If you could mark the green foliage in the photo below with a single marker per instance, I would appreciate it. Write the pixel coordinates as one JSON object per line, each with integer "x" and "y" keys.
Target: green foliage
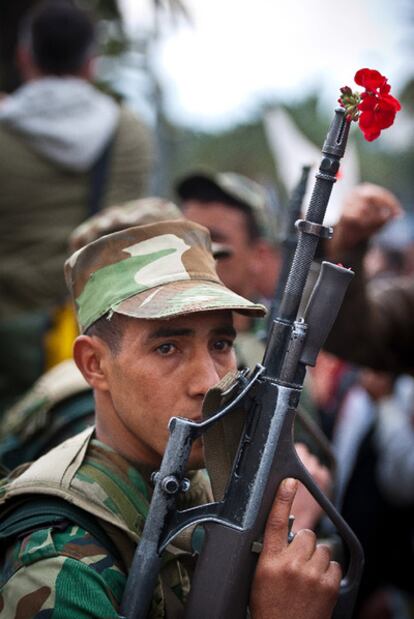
{"x": 241, "y": 149}
{"x": 392, "y": 170}
{"x": 407, "y": 96}
{"x": 104, "y": 9}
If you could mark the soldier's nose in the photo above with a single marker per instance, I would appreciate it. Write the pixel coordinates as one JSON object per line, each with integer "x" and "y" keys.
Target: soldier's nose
{"x": 204, "y": 375}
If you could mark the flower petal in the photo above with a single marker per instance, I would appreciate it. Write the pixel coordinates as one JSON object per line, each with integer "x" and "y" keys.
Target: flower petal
{"x": 371, "y": 79}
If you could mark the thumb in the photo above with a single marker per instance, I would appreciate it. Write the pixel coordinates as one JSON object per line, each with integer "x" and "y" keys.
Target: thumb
{"x": 277, "y": 525}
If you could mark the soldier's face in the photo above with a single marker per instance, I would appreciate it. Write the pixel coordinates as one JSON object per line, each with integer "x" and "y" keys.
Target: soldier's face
{"x": 228, "y": 226}
{"x": 163, "y": 369}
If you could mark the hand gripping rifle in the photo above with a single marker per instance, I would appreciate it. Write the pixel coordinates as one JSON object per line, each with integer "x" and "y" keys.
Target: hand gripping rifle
{"x": 234, "y": 524}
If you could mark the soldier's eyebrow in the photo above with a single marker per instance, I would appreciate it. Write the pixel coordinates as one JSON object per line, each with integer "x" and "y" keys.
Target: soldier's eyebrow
{"x": 228, "y": 330}
{"x": 166, "y": 331}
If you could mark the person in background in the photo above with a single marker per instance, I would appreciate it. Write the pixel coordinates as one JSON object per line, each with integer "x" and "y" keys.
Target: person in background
{"x": 237, "y": 212}
{"x": 66, "y": 151}
{"x": 374, "y": 430}
{"x": 372, "y": 440}
{"x": 374, "y": 325}
{"x": 395, "y": 439}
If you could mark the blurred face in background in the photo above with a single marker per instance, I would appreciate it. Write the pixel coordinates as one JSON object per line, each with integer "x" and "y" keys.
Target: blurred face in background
{"x": 378, "y": 384}
{"x": 228, "y": 226}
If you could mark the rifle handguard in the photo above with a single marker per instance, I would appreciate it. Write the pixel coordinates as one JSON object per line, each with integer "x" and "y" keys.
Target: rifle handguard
{"x": 323, "y": 307}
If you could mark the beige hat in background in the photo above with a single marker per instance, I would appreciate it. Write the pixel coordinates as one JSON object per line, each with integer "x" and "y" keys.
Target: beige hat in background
{"x": 134, "y": 213}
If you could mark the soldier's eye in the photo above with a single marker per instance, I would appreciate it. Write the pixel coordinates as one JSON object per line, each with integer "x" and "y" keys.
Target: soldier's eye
{"x": 166, "y": 349}
{"x": 223, "y": 345}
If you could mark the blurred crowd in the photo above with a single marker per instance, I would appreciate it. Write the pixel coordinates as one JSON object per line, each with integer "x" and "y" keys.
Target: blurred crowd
{"x": 76, "y": 165}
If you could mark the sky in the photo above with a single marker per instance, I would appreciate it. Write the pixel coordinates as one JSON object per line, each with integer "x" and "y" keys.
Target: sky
{"x": 238, "y": 54}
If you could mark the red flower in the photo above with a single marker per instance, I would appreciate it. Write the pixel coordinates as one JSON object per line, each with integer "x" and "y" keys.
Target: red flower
{"x": 375, "y": 108}
{"x": 370, "y": 79}
{"x": 377, "y": 113}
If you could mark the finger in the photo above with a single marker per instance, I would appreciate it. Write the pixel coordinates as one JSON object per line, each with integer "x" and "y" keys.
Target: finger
{"x": 333, "y": 574}
{"x": 303, "y": 544}
{"x": 331, "y": 582}
{"x": 276, "y": 531}
{"x": 321, "y": 558}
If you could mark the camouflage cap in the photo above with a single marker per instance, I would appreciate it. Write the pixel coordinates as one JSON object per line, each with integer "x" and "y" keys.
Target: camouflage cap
{"x": 115, "y": 218}
{"x": 133, "y": 213}
{"x": 238, "y": 188}
{"x": 159, "y": 270}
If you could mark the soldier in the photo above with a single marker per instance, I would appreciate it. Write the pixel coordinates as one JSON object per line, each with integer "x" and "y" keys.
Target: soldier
{"x": 157, "y": 333}
{"x": 236, "y": 211}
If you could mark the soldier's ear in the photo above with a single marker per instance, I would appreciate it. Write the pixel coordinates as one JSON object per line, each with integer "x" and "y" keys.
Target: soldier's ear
{"x": 90, "y": 354}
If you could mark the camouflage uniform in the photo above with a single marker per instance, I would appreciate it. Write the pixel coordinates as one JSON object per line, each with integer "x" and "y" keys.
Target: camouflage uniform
{"x": 64, "y": 566}
{"x": 59, "y": 405}
{"x": 153, "y": 271}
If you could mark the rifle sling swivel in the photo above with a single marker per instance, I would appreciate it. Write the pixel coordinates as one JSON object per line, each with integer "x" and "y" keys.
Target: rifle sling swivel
{"x": 309, "y": 227}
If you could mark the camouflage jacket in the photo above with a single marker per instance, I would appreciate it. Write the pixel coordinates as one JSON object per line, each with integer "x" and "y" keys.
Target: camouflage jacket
{"x": 59, "y": 405}
{"x": 62, "y": 570}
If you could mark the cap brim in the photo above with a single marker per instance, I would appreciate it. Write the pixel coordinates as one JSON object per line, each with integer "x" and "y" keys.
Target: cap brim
{"x": 186, "y": 297}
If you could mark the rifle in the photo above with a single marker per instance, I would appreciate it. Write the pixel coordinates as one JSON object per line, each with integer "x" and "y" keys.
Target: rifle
{"x": 288, "y": 239}
{"x": 287, "y": 243}
{"x": 234, "y": 523}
